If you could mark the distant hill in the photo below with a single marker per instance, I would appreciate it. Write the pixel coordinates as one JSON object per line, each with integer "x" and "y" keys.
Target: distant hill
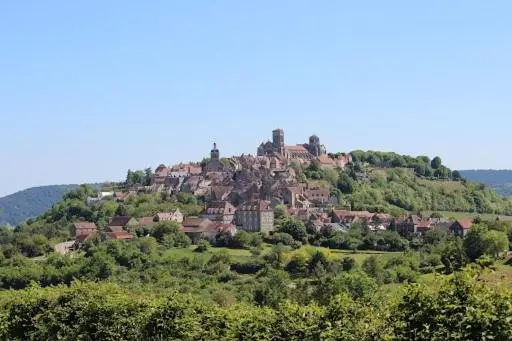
{"x": 30, "y": 203}
{"x": 499, "y": 180}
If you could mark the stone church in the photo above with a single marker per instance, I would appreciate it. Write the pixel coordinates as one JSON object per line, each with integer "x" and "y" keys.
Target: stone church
{"x": 307, "y": 151}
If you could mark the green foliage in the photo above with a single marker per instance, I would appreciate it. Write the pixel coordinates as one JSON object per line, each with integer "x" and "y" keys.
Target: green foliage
{"x": 462, "y": 309}
{"x": 294, "y": 228}
{"x": 480, "y": 241}
{"x": 169, "y": 234}
{"x": 396, "y": 190}
{"x": 202, "y": 246}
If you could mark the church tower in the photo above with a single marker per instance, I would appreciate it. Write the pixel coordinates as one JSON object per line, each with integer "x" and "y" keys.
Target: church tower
{"x": 214, "y": 154}
{"x": 278, "y": 141}
{"x": 314, "y": 146}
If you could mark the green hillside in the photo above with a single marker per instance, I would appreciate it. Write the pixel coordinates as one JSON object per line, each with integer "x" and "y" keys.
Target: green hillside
{"x": 30, "y": 203}
{"x": 399, "y": 188}
{"x": 388, "y": 182}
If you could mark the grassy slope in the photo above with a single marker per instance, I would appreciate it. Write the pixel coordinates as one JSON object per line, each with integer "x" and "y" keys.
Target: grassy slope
{"x": 394, "y": 189}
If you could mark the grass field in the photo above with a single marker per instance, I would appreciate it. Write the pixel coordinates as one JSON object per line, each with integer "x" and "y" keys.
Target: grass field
{"x": 458, "y": 215}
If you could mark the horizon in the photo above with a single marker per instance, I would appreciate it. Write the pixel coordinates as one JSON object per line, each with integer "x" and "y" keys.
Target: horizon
{"x": 90, "y": 90}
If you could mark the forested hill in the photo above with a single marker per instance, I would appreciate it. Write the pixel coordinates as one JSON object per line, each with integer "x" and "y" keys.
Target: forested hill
{"x": 389, "y": 182}
{"x": 499, "y": 180}
{"x": 30, "y": 203}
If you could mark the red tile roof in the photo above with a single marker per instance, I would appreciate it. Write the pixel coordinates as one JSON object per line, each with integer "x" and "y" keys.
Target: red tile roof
{"x": 326, "y": 160}
{"x": 296, "y": 148}
{"x": 121, "y": 235}
{"x": 146, "y": 221}
{"x": 83, "y": 237}
{"x": 196, "y": 224}
{"x": 119, "y": 221}
{"x": 115, "y": 228}
{"x": 122, "y": 196}
{"x": 465, "y": 223}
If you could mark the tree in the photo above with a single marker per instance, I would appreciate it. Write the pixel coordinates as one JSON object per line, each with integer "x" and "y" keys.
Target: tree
{"x": 148, "y": 175}
{"x": 280, "y": 211}
{"x": 456, "y": 175}
{"x": 273, "y": 289}
{"x": 436, "y": 162}
{"x": 435, "y": 236}
{"x": 169, "y": 234}
{"x": 294, "y": 228}
{"x": 475, "y": 242}
{"x": 348, "y": 263}
{"x": 453, "y": 255}
{"x": 496, "y": 242}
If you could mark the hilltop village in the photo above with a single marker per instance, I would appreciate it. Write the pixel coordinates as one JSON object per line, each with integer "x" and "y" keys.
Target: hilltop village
{"x": 242, "y": 192}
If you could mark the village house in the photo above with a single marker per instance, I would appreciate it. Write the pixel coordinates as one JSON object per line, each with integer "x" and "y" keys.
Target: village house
{"x": 118, "y": 235}
{"x": 316, "y": 195}
{"x": 146, "y": 221}
{"x": 173, "y": 215}
{"x": 220, "y": 212}
{"x": 349, "y": 217}
{"x": 118, "y": 223}
{"x": 295, "y": 198}
{"x": 413, "y": 224}
{"x": 255, "y": 216}
{"x": 199, "y": 228}
{"x": 123, "y": 196}
{"x": 187, "y": 169}
{"x": 83, "y": 230}
{"x": 101, "y": 196}
{"x": 461, "y": 227}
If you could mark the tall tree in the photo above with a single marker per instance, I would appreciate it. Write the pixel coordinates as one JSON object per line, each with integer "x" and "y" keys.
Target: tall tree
{"x": 436, "y": 162}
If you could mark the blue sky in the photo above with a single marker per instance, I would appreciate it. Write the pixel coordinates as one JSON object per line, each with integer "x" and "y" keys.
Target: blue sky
{"x": 91, "y": 88}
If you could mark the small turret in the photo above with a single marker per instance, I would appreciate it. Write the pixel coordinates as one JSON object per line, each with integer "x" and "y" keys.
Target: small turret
{"x": 214, "y": 154}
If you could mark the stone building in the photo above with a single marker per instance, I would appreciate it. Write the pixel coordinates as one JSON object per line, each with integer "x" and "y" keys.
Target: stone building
{"x": 305, "y": 152}
{"x": 214, "y": 164}
{"x": 314, "y": 146}
{"x": 220, "y": 212}
{"x": 255, "y": 216}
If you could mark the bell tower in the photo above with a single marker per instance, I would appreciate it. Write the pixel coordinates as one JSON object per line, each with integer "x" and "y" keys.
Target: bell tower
{"x": 214, "y": 154}
{"x": 278, "y": 141}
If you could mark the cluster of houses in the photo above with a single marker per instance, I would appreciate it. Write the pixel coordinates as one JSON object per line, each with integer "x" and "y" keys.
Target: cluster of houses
{"x": 240, "y": 193}
{"x": 258, "y": 216}
{"x": 219, "y": 216}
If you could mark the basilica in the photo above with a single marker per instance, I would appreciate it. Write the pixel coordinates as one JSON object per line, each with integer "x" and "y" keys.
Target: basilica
{"x": 307, "y": 151}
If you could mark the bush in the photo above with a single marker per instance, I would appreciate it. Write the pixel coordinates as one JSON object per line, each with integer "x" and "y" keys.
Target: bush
{"x": 281, "y": 238}
{"x": 202, "y": 246}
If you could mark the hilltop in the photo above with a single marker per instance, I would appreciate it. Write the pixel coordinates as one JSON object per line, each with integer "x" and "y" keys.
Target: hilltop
{"x": 242, "y": 244}
{"x": 30, "y": 203}
{"x": 499, "y": 180}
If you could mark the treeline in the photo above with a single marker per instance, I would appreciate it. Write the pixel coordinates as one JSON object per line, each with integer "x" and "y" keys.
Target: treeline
{"x": 422, "y": 165}
{"x": 462, "y": 309}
